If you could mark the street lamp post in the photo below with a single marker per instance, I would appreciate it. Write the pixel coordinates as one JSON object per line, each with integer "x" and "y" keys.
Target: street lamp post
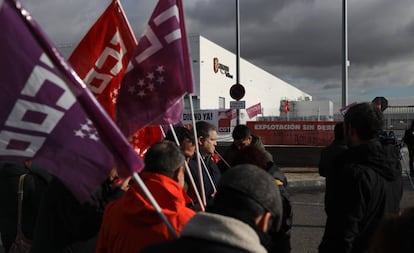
{"x": 237, "y": 55}
{"x": 345, "y": 62}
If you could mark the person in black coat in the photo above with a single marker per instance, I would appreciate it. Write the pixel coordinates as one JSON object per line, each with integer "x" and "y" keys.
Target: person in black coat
{"x": 66, "y": 225}
{"x": 328, "y": 166}
{"x": 368, "y": 186}
{"x": 408, "y": 139}
{"x": 34, "y": 186}
{"x": 207, "y": 141}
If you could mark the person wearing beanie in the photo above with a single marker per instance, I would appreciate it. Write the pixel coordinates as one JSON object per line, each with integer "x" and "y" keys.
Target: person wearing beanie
{"x": 246, "y": 205}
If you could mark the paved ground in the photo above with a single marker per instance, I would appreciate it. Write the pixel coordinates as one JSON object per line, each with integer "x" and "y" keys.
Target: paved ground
{"x": 303, "y": 177}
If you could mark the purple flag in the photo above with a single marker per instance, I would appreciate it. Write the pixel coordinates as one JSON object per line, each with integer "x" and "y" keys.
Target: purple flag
{"x": 48, "y": 115}
{"x": 159, "y": 73}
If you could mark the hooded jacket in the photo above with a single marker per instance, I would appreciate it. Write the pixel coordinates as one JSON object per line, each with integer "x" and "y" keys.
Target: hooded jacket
{"x": 230, "y": 154}
{"x": 131, "y": 222}
{"x": 367, "y": 187}
{"x": 208, "y": 232}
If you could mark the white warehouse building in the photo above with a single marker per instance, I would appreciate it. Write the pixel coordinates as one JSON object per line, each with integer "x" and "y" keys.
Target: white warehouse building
{"x": 214, "y": 72}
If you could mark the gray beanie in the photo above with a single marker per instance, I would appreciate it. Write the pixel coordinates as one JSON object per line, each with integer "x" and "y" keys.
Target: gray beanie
{"x": 256, "y": 184}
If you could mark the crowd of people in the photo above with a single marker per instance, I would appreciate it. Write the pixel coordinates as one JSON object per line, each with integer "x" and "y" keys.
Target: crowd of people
{"x": 239, "y": 204}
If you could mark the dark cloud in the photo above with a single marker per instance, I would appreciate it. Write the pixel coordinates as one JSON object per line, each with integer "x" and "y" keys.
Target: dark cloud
{"x": 299, "y": 41}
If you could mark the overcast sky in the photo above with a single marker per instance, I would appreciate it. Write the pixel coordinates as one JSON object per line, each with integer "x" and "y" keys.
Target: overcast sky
{"x": 298, "y": 41}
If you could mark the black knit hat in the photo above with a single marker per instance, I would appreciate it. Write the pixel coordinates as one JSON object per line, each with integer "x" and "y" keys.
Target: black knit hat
{"x": 256, "y": 184}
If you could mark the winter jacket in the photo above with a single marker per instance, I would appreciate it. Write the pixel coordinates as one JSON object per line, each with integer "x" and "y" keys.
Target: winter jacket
{"x": 231, "y": 152}
{"x": 131, "y": 222}
{"x": 280, "y": 242}
{"x": 328, "y": 167}
{"x": 409, "y": 138}
{"x": 367, "y": 186}
{"x": 34, "y": 186}
{"x": 207, "y": 233}
{"x": 328, "y": 155}
{"x": 214, "y": 172}
{"x": 63, "y": 221}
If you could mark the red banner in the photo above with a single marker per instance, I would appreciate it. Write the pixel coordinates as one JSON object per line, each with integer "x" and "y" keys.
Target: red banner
{"x": 254, "y": 110}
{"x": 303, "y": 133}
{"x": 224, "y": 126}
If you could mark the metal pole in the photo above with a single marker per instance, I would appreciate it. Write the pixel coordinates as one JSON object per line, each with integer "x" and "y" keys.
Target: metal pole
{"x": 345, "y": 62}
{"x": 237, "y": 55}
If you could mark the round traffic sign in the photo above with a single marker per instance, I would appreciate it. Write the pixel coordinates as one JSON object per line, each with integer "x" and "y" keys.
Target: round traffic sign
{"x": 237, "y": 91}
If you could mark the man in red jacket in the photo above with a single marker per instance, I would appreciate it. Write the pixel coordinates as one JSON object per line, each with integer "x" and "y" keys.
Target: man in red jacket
{"x": 132, "y": 223}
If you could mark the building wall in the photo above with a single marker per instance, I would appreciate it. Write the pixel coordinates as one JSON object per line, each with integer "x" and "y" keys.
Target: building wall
{"x": 260, "y": 85}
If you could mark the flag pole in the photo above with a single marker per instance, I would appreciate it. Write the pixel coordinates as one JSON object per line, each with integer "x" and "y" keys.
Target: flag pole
{"x": 187, "y": 169}
{"x": 208, "y": 175}
{"x": 237, "y": 55}
{"x": 200, "y": 174}
{"x": 126, "y": 20}
{"x": 154, "y": 203}
{"x": 345, "y": 62}
{"x": 222, "y": 158}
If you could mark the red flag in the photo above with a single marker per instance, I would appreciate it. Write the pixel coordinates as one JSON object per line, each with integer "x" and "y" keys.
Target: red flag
{"x": 159, "y": 73}
{"x": 101, "y": 57}
{"x": 254, "y": 110}
{"x": 144, "y": 138}
{"x": 100, "y": 60}
{"x": 48, "y": 115}
{"x": 287, "y": 108}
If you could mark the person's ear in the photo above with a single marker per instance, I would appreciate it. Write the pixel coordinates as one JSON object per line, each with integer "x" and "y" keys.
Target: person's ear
{"x": 263, "y": 222}
{"x": 200, "y": 140}
{"x": 179, "y": 175}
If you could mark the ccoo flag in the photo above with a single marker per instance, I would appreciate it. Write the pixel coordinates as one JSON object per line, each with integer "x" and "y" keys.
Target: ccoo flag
{"x": 159, "y": 73}
{"x": 48, "y": 115}
{"x": 101, "y": 57}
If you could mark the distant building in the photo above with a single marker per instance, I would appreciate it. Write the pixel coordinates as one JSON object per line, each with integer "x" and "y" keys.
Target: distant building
{"x": 304, "y": 110}
{"x": 398, "y": 118}
{"x": 214, "y": 71}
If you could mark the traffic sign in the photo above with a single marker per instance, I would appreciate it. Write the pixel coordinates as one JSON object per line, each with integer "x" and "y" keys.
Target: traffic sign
{"x": 238, "y": 104}
{"x": 237, "y": 91}
{"x": 381, "y": 103}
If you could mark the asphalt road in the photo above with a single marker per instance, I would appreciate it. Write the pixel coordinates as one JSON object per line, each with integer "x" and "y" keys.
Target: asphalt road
{"x": 309, "y": 217}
